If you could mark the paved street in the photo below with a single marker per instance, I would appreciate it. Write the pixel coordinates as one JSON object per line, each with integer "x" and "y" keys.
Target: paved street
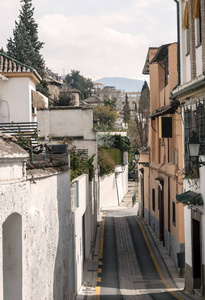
{"x": 127, "y": 261}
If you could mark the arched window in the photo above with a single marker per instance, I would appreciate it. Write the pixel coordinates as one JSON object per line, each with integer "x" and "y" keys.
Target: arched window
{"x": 12, "y": 257}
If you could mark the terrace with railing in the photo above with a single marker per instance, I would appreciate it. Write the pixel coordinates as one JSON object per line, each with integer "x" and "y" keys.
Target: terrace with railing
{"x": 26, "y": 133}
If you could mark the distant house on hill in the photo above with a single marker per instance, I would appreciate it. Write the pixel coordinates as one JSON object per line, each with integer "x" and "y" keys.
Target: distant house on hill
{"x": 92, "y": 101}
{"x": 53, "y": 86}
{"x": 98, "y": 86}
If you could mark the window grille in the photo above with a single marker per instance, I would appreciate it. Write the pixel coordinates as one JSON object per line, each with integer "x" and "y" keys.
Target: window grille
{"x": 187, "y": 133}
{"x": 200, "y": 122}
{"x": 194, "y": 121}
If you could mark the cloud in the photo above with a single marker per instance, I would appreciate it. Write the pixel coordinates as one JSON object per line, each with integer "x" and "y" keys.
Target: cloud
{"x": 99, "y": 38}
{"x": 90, "y": 44}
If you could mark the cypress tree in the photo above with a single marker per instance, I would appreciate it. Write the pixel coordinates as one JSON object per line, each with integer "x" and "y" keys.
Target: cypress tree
{"x": 25, "y": 46}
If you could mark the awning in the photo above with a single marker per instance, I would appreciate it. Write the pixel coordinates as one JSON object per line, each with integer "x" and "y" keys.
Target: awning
{"x": 190, "y": 198}
{"x": 165, "y": 110}
{"x": 39, "y": 100}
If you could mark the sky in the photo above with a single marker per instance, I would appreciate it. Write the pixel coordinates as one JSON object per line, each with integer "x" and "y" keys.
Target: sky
{"x": 99, "y": 38}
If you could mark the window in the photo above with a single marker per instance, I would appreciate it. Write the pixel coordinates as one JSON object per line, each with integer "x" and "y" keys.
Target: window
{"x": 174, "y": 213}
{"x": 166, "y": 70}
{"x": 153, "y": 199}
{"x": 197, "y": 17}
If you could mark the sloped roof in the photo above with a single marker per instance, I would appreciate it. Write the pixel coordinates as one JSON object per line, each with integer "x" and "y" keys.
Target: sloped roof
{"x": 145, "y": 70}
{"x": 93, "y": 100}
{"x": 9, "y": 148}
{"x": 67, "y": 88}
{"x": 162, "y": 52}
{"x": 165, "y": 110}
{"x": 11, "y": 65}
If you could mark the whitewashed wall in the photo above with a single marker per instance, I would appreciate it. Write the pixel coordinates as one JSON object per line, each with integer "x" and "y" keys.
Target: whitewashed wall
{"x": 194, "y": 185}
{"x": 202, "y": 191}
{"x": 73, "y": 122}
{"x": 17, "y": 102}
{"x": 82, "y": 232}
{"x": 42, "y": 202}
{"x": 113, "y": 188}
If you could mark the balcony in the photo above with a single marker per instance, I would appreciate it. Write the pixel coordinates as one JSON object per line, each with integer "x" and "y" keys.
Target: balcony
{"x": 26, "y": 133}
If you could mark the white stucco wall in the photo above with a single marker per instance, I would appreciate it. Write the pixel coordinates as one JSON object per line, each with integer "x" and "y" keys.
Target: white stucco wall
{"x": 187, "y": 229}
{"x": 202, "y": 191}
{"x": 17, "y": 101}
{"x": 43, "y": 202}
{"x": 113, "y": 188}
{"x": 195, "y": 185}
{"x": 82, "y": 228}
{"x": 69, "y": 122}
{"x": 199, "y": 68}
{"x": 73, "y": 121}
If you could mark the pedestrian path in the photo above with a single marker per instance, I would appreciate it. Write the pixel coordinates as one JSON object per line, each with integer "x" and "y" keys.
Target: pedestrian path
{"x": 128, "y": 264}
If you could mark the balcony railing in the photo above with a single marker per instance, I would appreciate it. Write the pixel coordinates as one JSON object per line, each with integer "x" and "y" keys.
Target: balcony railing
{"x": 25, "y": 132}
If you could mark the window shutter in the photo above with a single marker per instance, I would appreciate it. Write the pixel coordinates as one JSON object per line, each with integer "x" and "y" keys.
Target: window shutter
{"x": 186, "y": 16}
{"x": 196, "y": 9}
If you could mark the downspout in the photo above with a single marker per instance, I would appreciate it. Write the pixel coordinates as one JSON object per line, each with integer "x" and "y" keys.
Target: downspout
{"x": 178, "y": 44}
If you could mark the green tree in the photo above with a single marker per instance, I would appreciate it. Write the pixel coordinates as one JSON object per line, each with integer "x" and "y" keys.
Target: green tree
{"x": 139, "y": 126}
{"x": 111, "y": 103}
{"x": 25, "y": 45}
{"x": 105, "y": 115}
{"x": 81, "y": 83}
{"x": 106, "y": 163}
{"x": 126, "y": 110}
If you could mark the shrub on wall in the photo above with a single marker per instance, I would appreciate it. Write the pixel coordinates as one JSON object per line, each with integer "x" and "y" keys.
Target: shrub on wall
{"x": 116, "y": 155}
{"x": 80, "y": 165}
{"x": 106, "y": 163}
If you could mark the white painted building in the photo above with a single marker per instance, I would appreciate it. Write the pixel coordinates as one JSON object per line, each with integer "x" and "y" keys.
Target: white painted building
{"x": 114, "y": 187}
{"x": 18, "y": 97}
{"x": 36, "y": 259}
{"x": 73, "y": 123}
{"x": 191, "y": 94}
{"x": 82, "y": 210}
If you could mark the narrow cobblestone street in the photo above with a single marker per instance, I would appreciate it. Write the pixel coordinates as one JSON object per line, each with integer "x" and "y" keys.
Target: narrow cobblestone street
{"x": 129, "y": 262}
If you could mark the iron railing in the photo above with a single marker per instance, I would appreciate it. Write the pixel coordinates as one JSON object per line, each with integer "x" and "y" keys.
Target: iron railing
{"x": 25, "y": 132}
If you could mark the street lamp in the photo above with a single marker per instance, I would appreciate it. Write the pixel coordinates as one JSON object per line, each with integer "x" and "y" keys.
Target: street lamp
{"x": 193, "y": 145}
{"x": 137, "y": 155}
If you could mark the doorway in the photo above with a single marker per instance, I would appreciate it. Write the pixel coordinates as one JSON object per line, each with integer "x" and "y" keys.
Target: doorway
{"x": 142, "y": 192}
{"x": 161, "y": 212}
{"x": 12, "y": 257}
{"x": 196, "y": 247}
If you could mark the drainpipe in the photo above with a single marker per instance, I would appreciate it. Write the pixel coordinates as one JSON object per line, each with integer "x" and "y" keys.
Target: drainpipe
{"x": 178, "y": 44}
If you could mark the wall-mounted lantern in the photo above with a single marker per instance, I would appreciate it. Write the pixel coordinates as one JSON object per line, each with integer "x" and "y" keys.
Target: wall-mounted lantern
{"x": 137, "y": 155}
{"x": 193, "y": 145}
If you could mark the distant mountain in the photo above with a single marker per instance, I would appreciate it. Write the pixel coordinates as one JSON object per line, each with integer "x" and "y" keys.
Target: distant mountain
{"x": 123, "y": 84}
